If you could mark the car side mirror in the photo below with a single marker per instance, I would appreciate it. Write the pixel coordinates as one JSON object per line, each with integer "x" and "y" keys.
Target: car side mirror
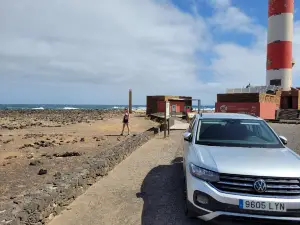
{"x": 283, "y": 140}
{"x": 187, "y": 136}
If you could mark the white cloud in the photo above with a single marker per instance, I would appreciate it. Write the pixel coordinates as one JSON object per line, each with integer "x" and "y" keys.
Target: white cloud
{"x": 91, "y": 52}
{"x": 236, "y": 65}
{"x": 129, "y": 43}
{"x": 227, "y": 17}
{"x": 232, "y": 18}
{"x": 220, "y": 3}
{"x": 296, "y": 50}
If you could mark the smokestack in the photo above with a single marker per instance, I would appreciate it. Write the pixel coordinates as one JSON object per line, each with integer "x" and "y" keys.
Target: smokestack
{"x": 279, "y": 50}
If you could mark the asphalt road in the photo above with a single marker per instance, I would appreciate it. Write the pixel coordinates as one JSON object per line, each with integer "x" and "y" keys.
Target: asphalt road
{"x": 145, "y": 189}
{"x": 291, "y": 132}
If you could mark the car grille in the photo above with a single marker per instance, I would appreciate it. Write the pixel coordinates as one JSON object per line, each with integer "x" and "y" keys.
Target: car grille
{"x": 245, "y": 184}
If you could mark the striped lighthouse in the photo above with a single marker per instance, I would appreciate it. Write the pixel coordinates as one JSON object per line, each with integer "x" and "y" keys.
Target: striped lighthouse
{"x": 279, "y": 50}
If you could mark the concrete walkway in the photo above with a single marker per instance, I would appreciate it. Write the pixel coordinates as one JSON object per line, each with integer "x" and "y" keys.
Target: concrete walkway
{"x": 179, "y": 125}
{"x": 146, "y": 188}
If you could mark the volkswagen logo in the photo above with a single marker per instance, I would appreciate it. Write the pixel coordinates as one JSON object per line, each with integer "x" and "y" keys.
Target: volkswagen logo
{"x": 260, "y": 186}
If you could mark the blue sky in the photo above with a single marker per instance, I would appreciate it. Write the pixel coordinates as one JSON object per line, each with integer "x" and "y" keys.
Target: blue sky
{"x": 88, "y": 52}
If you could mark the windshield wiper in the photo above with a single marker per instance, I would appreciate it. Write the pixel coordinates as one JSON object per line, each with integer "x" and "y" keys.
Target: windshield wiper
{"x": 211, "y": 143}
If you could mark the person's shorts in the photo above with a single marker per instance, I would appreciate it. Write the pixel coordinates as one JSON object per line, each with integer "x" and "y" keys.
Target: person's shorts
{"x": 125, "y": 121}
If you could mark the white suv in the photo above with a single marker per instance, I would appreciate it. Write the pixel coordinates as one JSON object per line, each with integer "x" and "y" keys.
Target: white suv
{"x": 236, "y": 166}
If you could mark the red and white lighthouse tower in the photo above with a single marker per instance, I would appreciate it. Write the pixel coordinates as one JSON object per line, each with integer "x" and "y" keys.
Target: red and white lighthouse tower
{"x": 279, "y": 50}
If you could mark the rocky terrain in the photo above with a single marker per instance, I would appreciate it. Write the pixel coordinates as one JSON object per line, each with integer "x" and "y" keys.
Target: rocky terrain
{"x": 37, "y": 148}
{"x": 21, "y": 119}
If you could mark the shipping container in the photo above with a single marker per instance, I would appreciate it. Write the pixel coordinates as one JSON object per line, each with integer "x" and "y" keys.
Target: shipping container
{"x": 265, "y": 110}
{"x": 250, "y": 97}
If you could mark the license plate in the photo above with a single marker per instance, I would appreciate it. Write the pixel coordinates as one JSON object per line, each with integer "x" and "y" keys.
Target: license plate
{"x": 263, "y": 206}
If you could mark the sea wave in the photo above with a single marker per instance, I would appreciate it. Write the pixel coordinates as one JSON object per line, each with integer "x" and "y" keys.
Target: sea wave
{"x": 69, "y": 108}
{"x": 118, "y": 107}
{"x": 139, "y": 108}
{"x": 209, "y": 109}
{"x": 73, "y": 107}
{"x": 204, "y": 109}
{"x": 133, "y": 108}
{"x": 39, "y": 108}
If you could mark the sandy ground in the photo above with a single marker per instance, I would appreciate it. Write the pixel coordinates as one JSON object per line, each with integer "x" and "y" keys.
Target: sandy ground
{"x": 24, "y": 152}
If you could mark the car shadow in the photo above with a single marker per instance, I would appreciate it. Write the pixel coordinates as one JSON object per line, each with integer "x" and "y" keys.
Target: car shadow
{"x": 162, "y": 192}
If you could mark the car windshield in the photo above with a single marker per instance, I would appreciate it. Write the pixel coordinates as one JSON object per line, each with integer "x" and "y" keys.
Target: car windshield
{"x": 236, "y": 133}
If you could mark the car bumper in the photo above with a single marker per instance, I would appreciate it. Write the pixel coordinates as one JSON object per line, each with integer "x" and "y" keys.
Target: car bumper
{"x": 219, "y": 204}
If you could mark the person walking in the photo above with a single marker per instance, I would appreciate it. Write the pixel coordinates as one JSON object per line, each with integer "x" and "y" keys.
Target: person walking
{"x": 125, "y": 121}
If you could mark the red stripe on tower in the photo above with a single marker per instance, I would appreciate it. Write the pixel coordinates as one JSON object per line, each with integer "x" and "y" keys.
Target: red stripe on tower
{"x": 280, "y": 53}
{"x": 279, "y": 50}
{"x": 280, "y": 6}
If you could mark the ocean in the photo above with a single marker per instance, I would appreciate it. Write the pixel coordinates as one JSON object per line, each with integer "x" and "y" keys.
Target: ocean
{"x": 69, "y": 107}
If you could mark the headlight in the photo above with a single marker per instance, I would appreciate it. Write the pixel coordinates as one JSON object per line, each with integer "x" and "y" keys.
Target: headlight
{"x": 204, "y": 174}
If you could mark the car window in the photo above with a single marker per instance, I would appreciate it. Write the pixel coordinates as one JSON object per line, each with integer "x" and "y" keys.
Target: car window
{"x": 249, "y": 127}
{"x": 262, "y": 133}
{"x": 236, "y": 132}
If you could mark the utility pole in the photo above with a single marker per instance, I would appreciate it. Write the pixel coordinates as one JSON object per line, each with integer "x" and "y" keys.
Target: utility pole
{"x": 167, "y": 116}
{"x": 168, "y": 126}
{"x": 130, "y": 101}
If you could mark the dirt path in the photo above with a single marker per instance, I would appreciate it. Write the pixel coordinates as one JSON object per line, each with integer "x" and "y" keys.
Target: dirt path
{"x": 144, "y": 189}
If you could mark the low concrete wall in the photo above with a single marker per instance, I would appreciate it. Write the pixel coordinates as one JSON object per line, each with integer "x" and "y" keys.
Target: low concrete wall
{"x": 39, "y": 207}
